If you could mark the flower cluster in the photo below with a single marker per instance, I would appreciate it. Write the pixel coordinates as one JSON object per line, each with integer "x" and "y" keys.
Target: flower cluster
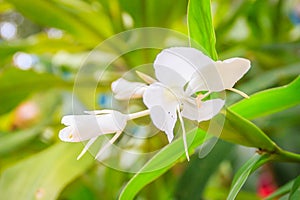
{"x": 185, "y": 77}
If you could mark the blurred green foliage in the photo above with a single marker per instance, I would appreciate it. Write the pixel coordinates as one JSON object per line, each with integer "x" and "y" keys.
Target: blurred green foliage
{"x": 42, "y": 45}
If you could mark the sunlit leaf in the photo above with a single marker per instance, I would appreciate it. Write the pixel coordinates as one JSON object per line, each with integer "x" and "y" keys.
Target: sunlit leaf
{"x": 269, "y": 101}
{"x": 151, "y": 12}
{"x": 45, "y": 174}
{"x": 200, "y": 26}
{"x": 85, "y": 12}
{"x": 236, "y": 129}
{"x": 50, "y": 14}
{"x": 160, "y": 163}
{"x": 266, "y": 80}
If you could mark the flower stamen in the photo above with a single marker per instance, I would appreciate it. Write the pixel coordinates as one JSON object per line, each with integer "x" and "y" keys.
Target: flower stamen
{"x": 200, "y": 97}
{"x": 138, "y": 114}
{"x": 183, "y": 134}
{"x": 145, "y": 77}
{"x": 87, "y": 146}
{"x": 110, "y": 142}
{"x": 239, "y": 92}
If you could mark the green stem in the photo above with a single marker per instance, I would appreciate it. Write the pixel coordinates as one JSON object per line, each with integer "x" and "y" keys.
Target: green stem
{"x": 286, "y": 156}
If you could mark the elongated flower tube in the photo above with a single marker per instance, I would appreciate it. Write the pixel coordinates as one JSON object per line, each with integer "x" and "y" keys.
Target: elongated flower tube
{"x": 84, "y": 127}
{"x": 90, "y": 126}
{"x": 94, "y": 124}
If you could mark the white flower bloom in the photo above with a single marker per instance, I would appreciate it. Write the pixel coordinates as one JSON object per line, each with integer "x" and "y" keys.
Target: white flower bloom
{"x": 201, "y": 72}
{"x": 181, "y": 72}
{"x": 89, "y": 127}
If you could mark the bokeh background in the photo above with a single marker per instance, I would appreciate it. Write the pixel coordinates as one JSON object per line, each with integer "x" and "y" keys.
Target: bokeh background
{"x": 44, "y": 43}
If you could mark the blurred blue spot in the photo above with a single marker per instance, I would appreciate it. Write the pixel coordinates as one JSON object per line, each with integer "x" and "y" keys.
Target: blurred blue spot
{"x": 66, "y": 75}
{"x": 295, "y": 17}
{"x": 135, "y": 130}
{"x": 104, "y": 100}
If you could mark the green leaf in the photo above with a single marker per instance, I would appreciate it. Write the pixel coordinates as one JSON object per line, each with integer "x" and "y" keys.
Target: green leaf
{"x": 295, "y": 196}
{"x": 151, "y": 12}
{"x": 17, "y": 84}
{"x": 39, "y": 43}
{"x": 243, "y": 173}
{"x": 295, "y": 191}
{"x": 11, "y": 141}
{"x": 50, "y": 14}
{"x": 84, "y": 11}
{"x": 266, "y": 80}
{"x": 201, "y": 30}
{"x": 236, "y": 129}
{"x": 45, "y": 174}
{"x": 239, "y": 130}
{"x": 269, "y": 101}
{"x": 160, "y": 163}
{"x": 199, "y": 171}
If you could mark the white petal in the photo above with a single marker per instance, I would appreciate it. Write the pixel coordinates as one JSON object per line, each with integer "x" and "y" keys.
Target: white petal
{"x": 124, "y": 89}
{"x": 67, "y": 134}
{"x": 111, "y": 123}
{"x": 98, "y": 112}
{"x": 219, "y": 76}
{"x": 164, "y": 120}
{"x": 207, "y": 110}
{"x": 232, "y": 70}
{"x": 206, "y": 79}
{"x": 184, "y": 61}
{"x": 84, "y": 127}
{"x": 67, "y": 120}
{"x": 158, "y": 94}
{"x": 169, "y": 77}
{"x": 162, "y": 104}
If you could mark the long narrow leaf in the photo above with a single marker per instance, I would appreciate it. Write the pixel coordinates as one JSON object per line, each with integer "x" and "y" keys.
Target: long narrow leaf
{"x": 269, "y": 101}
{"x": 160, "y": 163}
{"x": 199, "y": 171}
{"x": 239, "y": 130}
{"x": 43, "y": 175}
{"x": 280, "y": 191}
{"x": 200, "y": 26}
{"x": 243, "y": 173}
{"x": 295, "y": 191}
